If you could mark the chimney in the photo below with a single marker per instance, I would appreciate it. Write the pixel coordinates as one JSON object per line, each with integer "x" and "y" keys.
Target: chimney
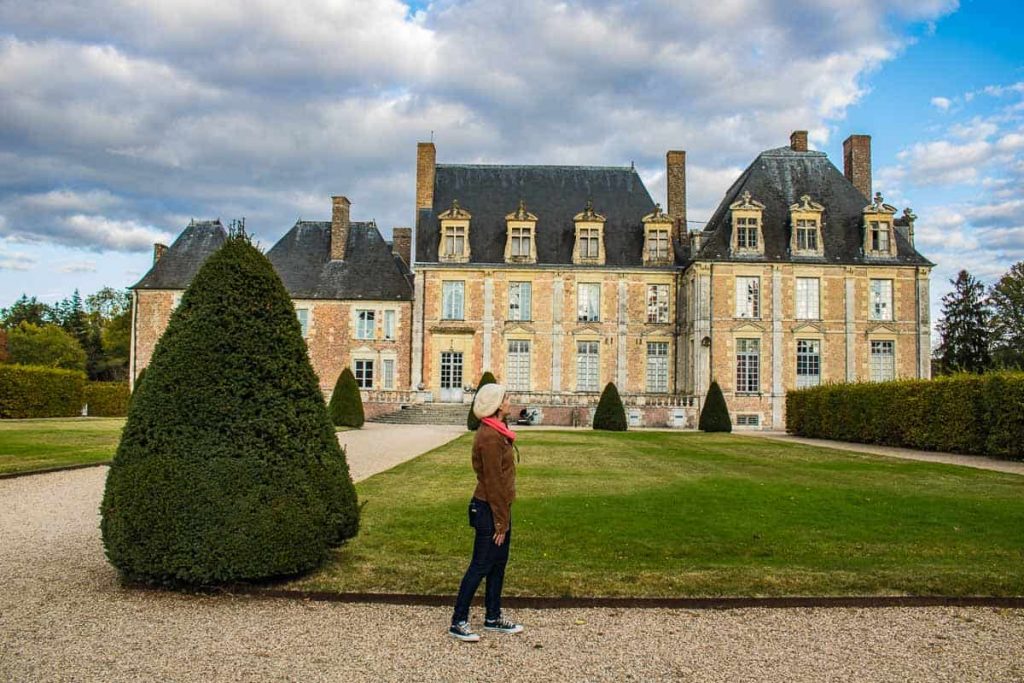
{"x": 158, "y": 251}
{"x": 695, "y": 241}
{"x": 857, "y": 163}
{"x": 798, "y": 141}
{"x": 401, "y": 243}
{"x": 339, "y": 226}
{"x": 426, "y": 159}
{"x": 675, "y": 174}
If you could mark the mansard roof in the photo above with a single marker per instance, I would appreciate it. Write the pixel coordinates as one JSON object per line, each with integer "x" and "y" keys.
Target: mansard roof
{"x": 779, "y": 178}
{"x": 554, "y": 194}
{"x": 185, "y": 256}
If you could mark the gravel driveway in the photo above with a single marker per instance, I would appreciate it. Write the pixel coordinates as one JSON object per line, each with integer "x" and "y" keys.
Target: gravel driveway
{"x": 64, "y": 617}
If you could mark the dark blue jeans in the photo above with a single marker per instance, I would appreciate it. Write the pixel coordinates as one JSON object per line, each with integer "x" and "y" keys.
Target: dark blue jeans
{"x": 488, "y": 562}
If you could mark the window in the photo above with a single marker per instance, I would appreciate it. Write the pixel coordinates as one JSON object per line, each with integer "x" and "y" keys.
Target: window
{"x": 590, "y": 242}
{"x": 303, "y": 315}
{"x": 657, "y": 367}
{"x": 389, "y": 324}
{"x": 364, "y": 374}
{"x": 519, "y": 300}
{"x": 586, "y": 365}
{"x": 880, "y": 236}
{"x": 748, "y": 420}
{"x": 807, "y": 298}
{"x": 806, "y": 234}
{"x": 748, "y": 366}
{"x": 452, "y": 298}
{"x": 883, "y": 361}
{"x": 588, "y": 302}
{"x": 657, "y": 245}
{"x": 389, "y": 373}
{"x": 881, "y": 300}
{"x": 808, "y": 363}
{"x": 365, "y": 324}
{"x": 454, "y": 240}
{"x": 748, "y": 297}
{"x": 522, "y": 242}
{"x": 517, "y": 372}
{"x": 657, "y": 304}
{"x": 746, "y": 235}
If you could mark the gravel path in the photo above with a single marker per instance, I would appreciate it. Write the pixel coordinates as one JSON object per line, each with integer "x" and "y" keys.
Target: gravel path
{"x": 63, "y": 617}
{"x": 379, "y": 447}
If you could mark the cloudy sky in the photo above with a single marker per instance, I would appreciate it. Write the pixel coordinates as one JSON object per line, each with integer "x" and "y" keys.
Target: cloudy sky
{"x": 122, "y": 119}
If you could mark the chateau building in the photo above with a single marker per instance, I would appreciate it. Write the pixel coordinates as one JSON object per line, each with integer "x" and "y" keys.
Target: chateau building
{"x": 560, "y": 279}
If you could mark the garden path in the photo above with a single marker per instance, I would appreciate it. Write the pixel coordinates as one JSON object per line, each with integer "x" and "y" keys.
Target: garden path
{"x": 378, "y": 447}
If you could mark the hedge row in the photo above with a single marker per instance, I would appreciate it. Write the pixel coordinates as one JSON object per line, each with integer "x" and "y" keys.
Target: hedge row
{"x": 106, "y": 399}
{"x": 973, "y": 414}
{"x": 31, "y": 391}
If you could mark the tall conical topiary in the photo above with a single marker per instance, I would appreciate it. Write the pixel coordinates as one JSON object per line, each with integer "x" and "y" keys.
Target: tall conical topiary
{"x": 714, "y": 416}
{"x": 346, "y": 406}
{"x": 472, "y": 422}
{"x": 228, "y": 467}
{"x": 610, "y": 414}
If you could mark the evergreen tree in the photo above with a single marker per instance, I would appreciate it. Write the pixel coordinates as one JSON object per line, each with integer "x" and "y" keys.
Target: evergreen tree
{"x": 1007, "y": 301}
{"x": 610, "y": 414}
{"x": 714, "y": 416}
{"x": 472, "y": 421}
{"x": 964, "y": 327}
{"x": 228, "y": 467}
{"x": 346, "y": 406}
{"x": 5, "y": 355}
{"x": 26, "y": 310}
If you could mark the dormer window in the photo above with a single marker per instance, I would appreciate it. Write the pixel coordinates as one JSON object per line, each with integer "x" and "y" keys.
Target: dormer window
{"x": 520, "y": 242}
{"x": 454, "y": 247}
{"x": 878, "y": 227}
{"x": 806, "y": 219}
{"x": 657, "y": 237}
{"x": 747, "y": 233}
{"x": 589, "y": 248}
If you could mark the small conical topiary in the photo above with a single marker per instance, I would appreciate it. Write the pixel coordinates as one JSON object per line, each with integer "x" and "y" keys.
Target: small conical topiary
{"x": 714, "y": 416}
{"x": 472, "y": 421}
{"x": 346, "y": 406}
{"x": 228, "y": 467}
{"x": 610, "y": 414}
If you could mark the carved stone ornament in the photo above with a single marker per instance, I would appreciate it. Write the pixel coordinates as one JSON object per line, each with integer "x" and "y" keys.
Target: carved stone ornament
{"x": 879, "y": 206}
{"x": 588, "y": 214}
{"x": 807, "y": 204}
{"x": 746, "y": 202}
{"x": 909, "y": 216}
{"x": 657, "y": 216}
{"x": 456, "y": 212}
{"x": 521, "y": 214}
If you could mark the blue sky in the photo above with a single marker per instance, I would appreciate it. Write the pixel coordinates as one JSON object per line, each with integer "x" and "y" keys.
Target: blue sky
{"x": 121, "y": 120}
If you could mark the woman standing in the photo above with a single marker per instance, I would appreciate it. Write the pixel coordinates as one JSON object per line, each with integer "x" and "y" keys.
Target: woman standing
{"x": 490, "y": 513}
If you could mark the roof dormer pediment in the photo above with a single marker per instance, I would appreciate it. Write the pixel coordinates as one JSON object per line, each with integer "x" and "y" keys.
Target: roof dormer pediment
{"x": 455, "y": 212}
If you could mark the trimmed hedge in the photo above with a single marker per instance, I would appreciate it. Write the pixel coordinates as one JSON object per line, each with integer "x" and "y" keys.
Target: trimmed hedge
{"x": 33, "y": 391}
{"x": 346, "y": 406}
{"x": 714, "y": 416}
{"x": 610, "y": 414}
{"x": 106, "y": 399}
{"x": 972, "y": 414}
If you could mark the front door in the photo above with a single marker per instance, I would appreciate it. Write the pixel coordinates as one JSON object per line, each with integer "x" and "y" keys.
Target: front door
{"x": 451, "y": 376}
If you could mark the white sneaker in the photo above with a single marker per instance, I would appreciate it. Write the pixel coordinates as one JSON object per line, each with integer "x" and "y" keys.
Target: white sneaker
{"x": 462, "y": 631}
{"x": 502, "y": 626}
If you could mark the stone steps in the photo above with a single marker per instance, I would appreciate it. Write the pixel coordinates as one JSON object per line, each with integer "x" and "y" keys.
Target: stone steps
{"x": 427, "y": 414}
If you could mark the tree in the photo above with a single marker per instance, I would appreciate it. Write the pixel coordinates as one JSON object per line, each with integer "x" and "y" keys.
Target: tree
{"x": 26, "y": 310}
{"x": 4, "y": 353}
{"x": 46, "y": 345}
{"x": 964, "y": 326}
{"x": 116, "y": 337}
{"x": 228, "y": 467}
{"x": 472, "y": 421}
{"x": 714, "y": 416}
{"x": 346, "y": 406}
{"x": 1007, "y": 301}
{"x": 610, "y": 414}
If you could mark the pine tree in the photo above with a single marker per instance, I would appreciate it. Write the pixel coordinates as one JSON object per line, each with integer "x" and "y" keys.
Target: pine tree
{"x": 472, "y": 421}
{"x": 1007, "y": 301}
{"x": 610, "y": 414}
{"x": 714, "y": 416}
{"x": 346, "y": 406}
{"x": 964, "y": 328}
{"x": 228, "y": 468}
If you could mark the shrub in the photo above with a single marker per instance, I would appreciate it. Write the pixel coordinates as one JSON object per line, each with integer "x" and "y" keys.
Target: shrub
{"x": 106, "y": 399}
{"x": 229, "y": 468}
{"x": 27, "y": 391}
{"x": 4, "y": 353}
{"x": 714, "y": 416}
{"x": 346, "y": 406}
{"x": 472, "y": 421}
{"x": 979, "y": 414}
{"x": 47, "y": 345}
{"x": 610, "y": 414}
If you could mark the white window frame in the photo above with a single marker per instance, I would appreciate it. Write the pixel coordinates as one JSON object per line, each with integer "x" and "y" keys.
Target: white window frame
{"x": 880, "y": 300}
{"x": 808, "y": 363}
{"x": 657, "y": 303}
{"x": 747, "y": 233}
{"x": 363, "y": 372}
{"x": 881, "y": 237}
{"x": 454, "y": 241}
{"x": 590, "y": 243}
{"x": 748, "y": 367}
{"x": 388, "y": 373}
{"x": 303, "y": 315}
{"x": 588, "y": 366}
{"x": 390, "y": 317}
{"x": 748, "y": 297}
{"x": 807, "y": 234}
{"x": 521, "y": 242}
{"x": 657, "y": 244}
{"x": 520, "y": 301}
{"x": 366, "y": 323}
{"x": 588, "y": 302}
{"x": 453, "y": 300}
{"x": 808, "y": 298}
{"x": 657, "y": 367}
{"x": 882, "y": 360}
{"x": 517, "y": 365}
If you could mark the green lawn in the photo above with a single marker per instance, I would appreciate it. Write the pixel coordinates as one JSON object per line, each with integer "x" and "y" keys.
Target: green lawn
{"x": 27, "y": 445}
{"x": 663, "y": 514}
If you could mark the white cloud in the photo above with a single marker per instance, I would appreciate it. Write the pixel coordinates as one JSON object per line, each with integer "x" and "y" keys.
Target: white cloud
{"x": 77, "y": 267}
{"x": 16, "y": 260}
{"x": 942, "y": 103}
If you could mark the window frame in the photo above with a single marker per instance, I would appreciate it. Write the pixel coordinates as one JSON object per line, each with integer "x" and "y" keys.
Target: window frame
{"x": 580, "y": 288}
{"x": 387, "y": 367}
{"x": 875, "y": 368}
{"x": 588, "y": 366}
{"x": 389, "y": 324}
{"x": 807, "y": 313}
{"x": 657, "y": 367}
{"x": 453, "y": 286}
{"x": 363, "y": 370}
{"x": 748, "y": 366}
{"x": 753, "y": 304}
{"x": 364, "y": 317}
{"x": 657, "y": 304}
{"x": 523, "y": 313}
{"x": 874, "y": 300}
{"x": 517, "y": 364}
{"x": 304, "y": 316}
{"x": 808, "y": 358}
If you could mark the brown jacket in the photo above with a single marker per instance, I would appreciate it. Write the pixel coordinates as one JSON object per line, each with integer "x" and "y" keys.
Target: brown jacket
{"x": 495, "y": 466}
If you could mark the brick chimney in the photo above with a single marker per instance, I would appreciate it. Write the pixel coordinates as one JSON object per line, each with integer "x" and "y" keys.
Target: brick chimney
{"x": 798, "y": 141}
{"x": 857, "y": 163}
{"x": 339, "y": 226}
{"x": 401, "y": 243}
{"x": 426, "y": 161}
{"x": 158, "y": 251}
{"x": 675, "y": 181}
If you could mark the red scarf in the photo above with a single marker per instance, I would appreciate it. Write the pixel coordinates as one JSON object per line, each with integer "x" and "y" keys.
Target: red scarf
{"x": 500, "y": 427}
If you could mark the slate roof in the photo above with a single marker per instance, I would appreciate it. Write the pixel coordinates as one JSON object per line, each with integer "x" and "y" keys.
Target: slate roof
{"x": 553, "y": 193}
{"x": 183, "y": 258}
{"x": 302, "y": 258}
{"x": 778, "y": 178}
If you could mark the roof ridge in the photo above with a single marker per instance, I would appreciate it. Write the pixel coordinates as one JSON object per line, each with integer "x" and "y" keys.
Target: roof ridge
{"x": 540, "y": 166}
